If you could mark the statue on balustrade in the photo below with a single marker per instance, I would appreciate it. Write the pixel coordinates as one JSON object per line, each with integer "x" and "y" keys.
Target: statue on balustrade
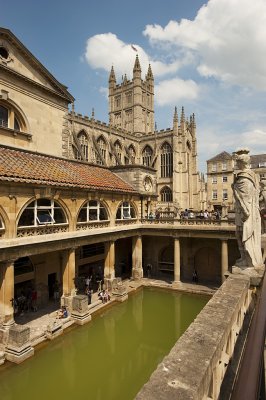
{"x": 246, "y": 191}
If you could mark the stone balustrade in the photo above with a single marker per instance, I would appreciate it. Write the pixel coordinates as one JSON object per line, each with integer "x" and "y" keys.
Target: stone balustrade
{"x": 41, "y": 230}
{"x": 189, "y": 222}
{"x": 195, "y": 367}
{"x": 82, "y": 226}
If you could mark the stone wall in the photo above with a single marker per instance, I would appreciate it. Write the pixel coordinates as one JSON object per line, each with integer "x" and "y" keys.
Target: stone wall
{"x": 195, "y": 367}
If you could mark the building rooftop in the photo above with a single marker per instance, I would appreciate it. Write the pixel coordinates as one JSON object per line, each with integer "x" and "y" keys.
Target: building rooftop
{"x": 221, "y": 157}
{"x": 35, "y": 168}
{"x": 258, "y": 160}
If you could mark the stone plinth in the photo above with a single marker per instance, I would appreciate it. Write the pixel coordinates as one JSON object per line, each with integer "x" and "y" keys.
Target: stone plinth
{"x": 54, "y": 329}
{"x": 254, "y": 274}
{"x": 19, "y": 347}
{"x": 66, "y": 301}
{"x": 119, "y": 291}
{"x": 80, "y": 312}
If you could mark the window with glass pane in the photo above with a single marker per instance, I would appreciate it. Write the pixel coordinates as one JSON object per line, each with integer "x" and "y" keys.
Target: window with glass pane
{"x": 42, "y": 212}
{"x": 3, "y": 116}
{"x": 125, "y": 211}
{"x": 83, "y": 140}
{"x": 147, "y": 156}
{"x": 93, "y": 210}
{"x": 166, "y": 194}
{"x": 102, "y": 147}
{"x": 166, "y": 161}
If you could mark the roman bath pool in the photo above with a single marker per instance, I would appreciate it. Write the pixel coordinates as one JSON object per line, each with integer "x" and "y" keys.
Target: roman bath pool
{"x": 109, "y": 358}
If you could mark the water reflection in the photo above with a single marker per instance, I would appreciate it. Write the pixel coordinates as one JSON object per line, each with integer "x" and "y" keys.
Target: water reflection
{"x": 111, "y": 357}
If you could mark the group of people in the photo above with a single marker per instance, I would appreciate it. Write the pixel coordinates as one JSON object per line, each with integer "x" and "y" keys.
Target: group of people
{"x": 186, "y": 214}
{"x": 62, "y": 313}
{"x": 104, "y": 296}
{"x": 25, "y": 301}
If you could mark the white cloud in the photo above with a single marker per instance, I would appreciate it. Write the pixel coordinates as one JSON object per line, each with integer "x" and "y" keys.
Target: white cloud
{"x": 105, "y": 50}
{"x": 227, "y": 38}
{"x": 173, "y": 90}
{"x": 104, "y": 91}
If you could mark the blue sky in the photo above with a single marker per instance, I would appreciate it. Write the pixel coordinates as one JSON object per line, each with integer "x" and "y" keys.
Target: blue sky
{"x": 206, "y": 56}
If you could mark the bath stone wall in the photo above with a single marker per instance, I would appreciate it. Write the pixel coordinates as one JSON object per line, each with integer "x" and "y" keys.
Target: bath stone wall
{"x": 187, "y": 371}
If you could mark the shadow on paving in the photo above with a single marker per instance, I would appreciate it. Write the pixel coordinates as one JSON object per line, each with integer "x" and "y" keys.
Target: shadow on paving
{"x": 29, "y": 316}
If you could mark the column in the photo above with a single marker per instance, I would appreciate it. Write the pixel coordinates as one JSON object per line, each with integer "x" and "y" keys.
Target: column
{"x": 137, "y": 270}
{"x": 109, "y": 262}
{"x": 176, "y": 260}
{"x": 69, "y": 272}
{"x": 7, "y": 292}
{"x": 224, "y": 258}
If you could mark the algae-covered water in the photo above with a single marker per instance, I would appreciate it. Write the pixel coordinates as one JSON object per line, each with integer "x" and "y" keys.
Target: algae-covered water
{"x": 111, "y": 357}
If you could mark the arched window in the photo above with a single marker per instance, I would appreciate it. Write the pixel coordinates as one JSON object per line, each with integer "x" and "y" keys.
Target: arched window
{"x": 147, "y": 156}
{"x": 3, "y": 116}
{"x": 118, "y": 150}
{"x": 102, "y": 146}
{"x": 125, "y": 211}
{"x": 132, "y": 154}
{"x": 42, "y": 212}
{"x": 166, "y": 194}
{"x": 9, "y": 118}
{"x": 83, "y": 140}
{"x": 93, "y": 210}
{"x": 166, "y": 161}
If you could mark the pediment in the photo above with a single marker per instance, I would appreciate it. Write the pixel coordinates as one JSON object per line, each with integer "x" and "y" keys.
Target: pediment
{"x": 15, "y": 57}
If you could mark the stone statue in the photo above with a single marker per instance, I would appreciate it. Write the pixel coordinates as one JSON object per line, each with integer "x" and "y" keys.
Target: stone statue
{"x": 263, "y": 205}
{"x": 248, "y": 222}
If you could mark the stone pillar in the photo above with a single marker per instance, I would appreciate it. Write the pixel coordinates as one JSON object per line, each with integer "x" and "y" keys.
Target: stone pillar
{"x": 69, "y": 272}
{"x": 109, "y": 262}
{"x": 7, "y": 292}
{"x": 176, "y": 260}
{"x": 224, "y": 258}
{"x": 137, "y": 270}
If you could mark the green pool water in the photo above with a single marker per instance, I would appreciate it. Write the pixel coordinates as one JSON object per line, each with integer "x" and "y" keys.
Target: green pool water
{"x": 111, "y": 357}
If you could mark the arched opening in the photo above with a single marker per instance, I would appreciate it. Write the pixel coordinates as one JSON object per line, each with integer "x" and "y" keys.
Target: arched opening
{"x": 83, "y": 140}
{"x": 126, "y": 211}
{"x": 42, "y": 212}
{"x": 166, "y": 260}
{"x": 92, "y": 210}
{"x": 166, "y": 160}
{"x": 147, "y": 156}
{"x": 166, "y": 194}
{"x": 11, "y": 118}
{"x": 132, "y": 154}
{"x": 102, "y": 147}
{"x": 118, "y": 150}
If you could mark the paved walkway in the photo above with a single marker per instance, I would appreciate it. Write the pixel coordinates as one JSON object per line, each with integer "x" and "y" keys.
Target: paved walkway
{"x": 39, "y": 320}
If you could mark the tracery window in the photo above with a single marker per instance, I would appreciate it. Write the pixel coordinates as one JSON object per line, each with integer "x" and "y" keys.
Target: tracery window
{"x": 93, "y": 210}
{"x": 125, "y": 211}
{"x": 118, "y": 150}
{"x": 147, "y": 156}
{"x": 83, "y": 140}
{"x": 102, "y": 146}
{"x": 166, "y": 194}
{"x": 42, "y": 212}
{"x": 166, "y": 161}
{"x": 132, "y": 154}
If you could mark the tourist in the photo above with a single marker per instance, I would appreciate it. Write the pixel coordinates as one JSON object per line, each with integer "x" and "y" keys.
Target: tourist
{"x": 62, "y": 313}
{"x": 89, "y": 294}
{"x": 149, "y": 268}
{"x": 206, "y": 214}
{"x": 185, "y": 214}
{"x": 195, "y": 276}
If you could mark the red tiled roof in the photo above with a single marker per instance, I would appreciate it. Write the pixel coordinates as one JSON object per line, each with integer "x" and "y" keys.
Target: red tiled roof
{"x": 22, "y": 166}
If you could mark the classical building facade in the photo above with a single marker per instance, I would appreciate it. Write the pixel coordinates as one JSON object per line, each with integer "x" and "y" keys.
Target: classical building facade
{"x": 220, "y": 176}
{"x": 76, "y": 193}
